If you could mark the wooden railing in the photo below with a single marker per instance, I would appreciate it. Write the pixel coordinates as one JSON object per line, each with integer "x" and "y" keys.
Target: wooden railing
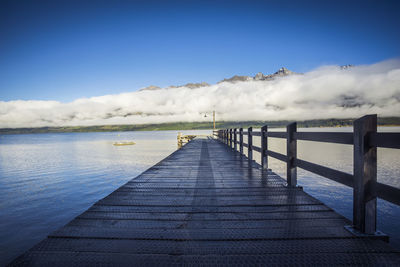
{"x": 365, "y": 139}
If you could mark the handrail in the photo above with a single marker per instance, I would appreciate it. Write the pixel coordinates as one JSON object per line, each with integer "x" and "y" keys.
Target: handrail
{"x": 276, "y": 155}
{"x": 388, "y": 193}
{"x": 388, "y": 140}
{"x": 256, "y": 148}
{"x": 365, "y": 140}
{"x": 277, "y": 134}
{"x": 335, "y": 175}
{"x": 327, "y": 137}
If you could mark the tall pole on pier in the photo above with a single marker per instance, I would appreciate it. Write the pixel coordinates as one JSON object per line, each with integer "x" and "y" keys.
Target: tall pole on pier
{"x": 214, "y": 118}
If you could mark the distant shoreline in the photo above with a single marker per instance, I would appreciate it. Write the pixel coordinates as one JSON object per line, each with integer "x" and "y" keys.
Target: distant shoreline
{"x": 385, "y": 121}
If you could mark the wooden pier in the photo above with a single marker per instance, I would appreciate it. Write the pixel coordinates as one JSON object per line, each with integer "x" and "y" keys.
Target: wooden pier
{"x": 208, "y": 204}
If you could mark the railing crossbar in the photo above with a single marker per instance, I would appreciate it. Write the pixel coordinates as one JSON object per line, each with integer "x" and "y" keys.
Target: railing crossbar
{"x": 276, "y": 155}
{"x": 256, "y": 148}
{"x": 326, "y": 137}
{"x": 387, "y": 140}
{"x": 277, "y": 134}
{"x": 388, "y": 193}
{"x": 332, "y": 174}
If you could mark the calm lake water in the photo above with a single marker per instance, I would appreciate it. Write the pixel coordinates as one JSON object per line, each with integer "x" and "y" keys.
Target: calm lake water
{"x": 48, "y": 179}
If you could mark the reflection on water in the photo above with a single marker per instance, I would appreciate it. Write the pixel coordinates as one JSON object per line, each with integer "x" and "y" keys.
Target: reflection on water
{"x": 48, "y": 179}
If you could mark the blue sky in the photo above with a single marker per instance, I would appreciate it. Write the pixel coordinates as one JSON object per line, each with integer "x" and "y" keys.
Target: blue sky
{"x": 64, "y": 50}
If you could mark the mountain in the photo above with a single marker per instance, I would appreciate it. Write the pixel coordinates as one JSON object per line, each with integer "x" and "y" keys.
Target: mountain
{"x": 237, "y": 78}
{"x": 150, "y": 88}
{"x": 191, "y": 85}
{"x": 282, "y": 72}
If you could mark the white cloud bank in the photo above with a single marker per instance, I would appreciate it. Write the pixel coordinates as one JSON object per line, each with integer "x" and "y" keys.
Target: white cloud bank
{"x": 327, "y": 92}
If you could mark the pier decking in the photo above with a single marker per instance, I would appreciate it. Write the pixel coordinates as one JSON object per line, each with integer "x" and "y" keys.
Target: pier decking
{"x": 204, "y": 205}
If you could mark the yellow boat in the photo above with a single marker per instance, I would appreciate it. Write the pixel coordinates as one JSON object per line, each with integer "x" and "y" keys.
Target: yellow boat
{"x": 124, "y": 143}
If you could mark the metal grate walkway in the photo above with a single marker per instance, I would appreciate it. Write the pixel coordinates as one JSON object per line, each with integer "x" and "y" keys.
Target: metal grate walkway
{"x": 203, "y": 205}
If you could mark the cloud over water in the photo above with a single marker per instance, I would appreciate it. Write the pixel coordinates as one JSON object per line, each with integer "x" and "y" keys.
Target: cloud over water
{"x": 326, "y": 92}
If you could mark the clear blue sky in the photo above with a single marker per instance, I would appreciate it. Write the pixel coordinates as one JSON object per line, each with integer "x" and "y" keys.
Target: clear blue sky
{"x": 63, "y": 50}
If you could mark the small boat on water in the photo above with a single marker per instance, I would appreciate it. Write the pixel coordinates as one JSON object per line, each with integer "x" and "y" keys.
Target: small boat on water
{"x": 124, "y": 143}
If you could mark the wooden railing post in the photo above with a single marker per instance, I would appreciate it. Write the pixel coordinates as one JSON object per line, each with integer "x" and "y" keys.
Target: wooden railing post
{"x": 365, "y": 169}
{"x": 250, "y": 143}
{"x": 291, "y": 153}
{"x": 230, "y": 138}
{"x": 264, "y": 147}
{"x": 241, "y": 140}
{"x": 227, "y": 137}
{"x": 235, "y": 138}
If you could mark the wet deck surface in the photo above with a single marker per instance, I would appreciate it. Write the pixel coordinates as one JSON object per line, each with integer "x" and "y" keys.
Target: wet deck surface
{"x": 203, "y": 205}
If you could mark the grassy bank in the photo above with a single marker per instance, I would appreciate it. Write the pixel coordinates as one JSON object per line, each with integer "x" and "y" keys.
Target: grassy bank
{"x": 388, "y": 121}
